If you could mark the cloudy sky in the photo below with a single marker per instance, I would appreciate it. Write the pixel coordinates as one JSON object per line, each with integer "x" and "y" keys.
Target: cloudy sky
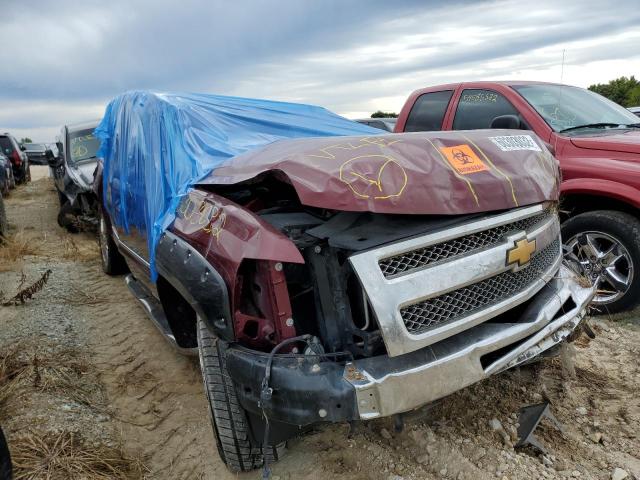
{"x": 63, "y": 60}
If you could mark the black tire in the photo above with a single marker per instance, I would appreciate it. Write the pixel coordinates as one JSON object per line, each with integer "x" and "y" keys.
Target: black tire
{"x": 67, "y": 218}
{"x": 4, "y": 227}
{"x": 623, "y": 228}
{"x": 230, "y": 424}
{"x": 5, "y": 459}
{"x": 113, "y": 263}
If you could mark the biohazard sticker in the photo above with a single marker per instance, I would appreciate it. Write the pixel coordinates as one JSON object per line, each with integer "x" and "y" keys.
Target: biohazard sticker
{"x": 463, "y": 159}
{"x": 515, "y": 142}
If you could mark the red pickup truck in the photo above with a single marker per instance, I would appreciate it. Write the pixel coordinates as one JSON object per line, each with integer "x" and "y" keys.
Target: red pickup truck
{"x": 598, "y": 145}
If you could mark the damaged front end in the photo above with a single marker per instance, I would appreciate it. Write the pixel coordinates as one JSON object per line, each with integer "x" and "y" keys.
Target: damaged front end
{"x": 400, "y": 325}
{"x": 395, "y": 311}
{"x": 78, "y": 201}
{"x": 73, "y": 172}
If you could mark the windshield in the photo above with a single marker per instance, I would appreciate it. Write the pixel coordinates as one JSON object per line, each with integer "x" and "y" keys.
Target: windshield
{"x": 565, "y": 107}
{"x": 83, "y": 145}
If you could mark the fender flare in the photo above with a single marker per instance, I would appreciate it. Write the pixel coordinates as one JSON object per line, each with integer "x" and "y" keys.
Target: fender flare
{"x": 602, "y": 188}
{"x": 197, "y": 281}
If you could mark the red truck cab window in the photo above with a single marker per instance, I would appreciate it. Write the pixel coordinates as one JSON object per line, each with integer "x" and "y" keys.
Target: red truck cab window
{"x": 478, "y": 107}
{"x": 428, "y": 112}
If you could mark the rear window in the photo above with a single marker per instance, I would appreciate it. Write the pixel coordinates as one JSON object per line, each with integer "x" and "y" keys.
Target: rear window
{"x": 428, "y": 112}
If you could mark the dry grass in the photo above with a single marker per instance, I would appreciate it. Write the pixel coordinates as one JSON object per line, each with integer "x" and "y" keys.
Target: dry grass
{"x": 85, "y": 249}
{"x": 18, "y": 245}
{"x": 34, "y": 366}
{"x": 26, "y": 293}
{"x": 57, "y": 370}
{"x": 67, "y": 455}
{"x": 77, "y": 296}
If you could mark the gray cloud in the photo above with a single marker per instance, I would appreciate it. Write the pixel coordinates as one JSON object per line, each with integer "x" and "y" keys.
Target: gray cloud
{"x": 66, "y": 60}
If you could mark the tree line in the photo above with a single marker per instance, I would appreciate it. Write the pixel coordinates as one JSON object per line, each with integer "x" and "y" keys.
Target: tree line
{"x": 624, "y": 91}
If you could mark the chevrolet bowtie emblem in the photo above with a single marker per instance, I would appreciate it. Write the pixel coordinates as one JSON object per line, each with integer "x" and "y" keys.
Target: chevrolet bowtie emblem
{"x": 521, "y": 252}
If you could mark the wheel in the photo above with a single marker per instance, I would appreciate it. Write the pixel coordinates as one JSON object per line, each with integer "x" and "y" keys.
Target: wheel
{"x": 67, "y": 218}
{"x": 3, "y": 219}
{"x": 607, "y": 245}
{"x": 5, "y": 459}
{"x": 113, "y": 263}
{"x": 230, "y": 426}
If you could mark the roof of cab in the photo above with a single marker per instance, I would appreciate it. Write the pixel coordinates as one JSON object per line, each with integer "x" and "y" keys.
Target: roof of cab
{"x": 82, "y": 126}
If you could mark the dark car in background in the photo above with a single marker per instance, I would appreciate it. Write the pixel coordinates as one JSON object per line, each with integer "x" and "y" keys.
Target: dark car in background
{"x": 7, "y": 181}
{"x": 19, "y": 160}
{"x": 386, "y": 124}
{"x": 37, "y": 153}
{"x": 73, "y": 171}
{"x": 635, "y": 110}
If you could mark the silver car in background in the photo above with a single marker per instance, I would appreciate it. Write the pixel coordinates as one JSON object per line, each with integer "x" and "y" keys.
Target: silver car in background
{"x": 73, "y": 170}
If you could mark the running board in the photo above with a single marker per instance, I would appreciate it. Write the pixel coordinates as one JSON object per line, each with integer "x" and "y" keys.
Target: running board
{"x": 154, "y": 311}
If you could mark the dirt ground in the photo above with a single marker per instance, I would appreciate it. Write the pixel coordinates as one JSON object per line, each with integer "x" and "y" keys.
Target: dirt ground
{"x": 90, "y": 389}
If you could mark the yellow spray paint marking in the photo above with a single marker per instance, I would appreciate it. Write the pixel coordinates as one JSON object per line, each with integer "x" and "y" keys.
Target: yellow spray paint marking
{"x": 374, "y": 176}
{"x": 463, "y": 159}
{"x": 79, "y": 151}
{"x": 216, "y": 225}
{"x": 513, "y": 192}
{"x": 208, "y": 217}
{"x": 364, "y": 142}
{"x": 446, "y": 162}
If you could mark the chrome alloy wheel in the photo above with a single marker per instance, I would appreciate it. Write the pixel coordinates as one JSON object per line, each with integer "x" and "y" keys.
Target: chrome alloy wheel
{"x": 604, "y": 261}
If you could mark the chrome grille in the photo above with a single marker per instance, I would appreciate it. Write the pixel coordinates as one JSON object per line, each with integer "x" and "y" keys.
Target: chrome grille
{"x": 437, "y": 311}
{"x": 459, "y": 246}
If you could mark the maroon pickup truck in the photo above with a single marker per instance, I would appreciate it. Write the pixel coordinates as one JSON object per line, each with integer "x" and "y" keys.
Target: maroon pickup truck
{"x": 598, "y": 145}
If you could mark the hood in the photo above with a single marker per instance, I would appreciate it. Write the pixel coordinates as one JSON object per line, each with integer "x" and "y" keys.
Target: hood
{"x": 445, "y": 173}
{"x": 82, "y": 173}
{"x": 627, "y": 141}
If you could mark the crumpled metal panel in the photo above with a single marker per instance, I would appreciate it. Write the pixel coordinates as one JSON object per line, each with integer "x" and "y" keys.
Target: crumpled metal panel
{"x": 441, "y": 173}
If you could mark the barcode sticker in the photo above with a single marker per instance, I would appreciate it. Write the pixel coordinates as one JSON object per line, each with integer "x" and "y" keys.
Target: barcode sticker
{"x": 516, "y": 142}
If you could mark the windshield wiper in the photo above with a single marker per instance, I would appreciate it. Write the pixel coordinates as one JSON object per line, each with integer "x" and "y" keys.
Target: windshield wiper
{"x": 591, "y": 125}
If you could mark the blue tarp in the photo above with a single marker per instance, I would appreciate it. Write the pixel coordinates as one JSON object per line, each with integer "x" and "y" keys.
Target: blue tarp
{"x": 155, "y": 146}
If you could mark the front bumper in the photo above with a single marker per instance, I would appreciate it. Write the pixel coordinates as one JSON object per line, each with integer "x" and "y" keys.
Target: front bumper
{"x": 307, "y": 391}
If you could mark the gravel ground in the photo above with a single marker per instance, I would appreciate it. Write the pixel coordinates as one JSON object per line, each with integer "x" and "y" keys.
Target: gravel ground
{"x": 128, "y": 390}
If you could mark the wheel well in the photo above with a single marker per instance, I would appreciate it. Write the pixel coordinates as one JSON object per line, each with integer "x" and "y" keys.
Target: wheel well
{"x": 180, "y": 314}
{"x": 575, "y": 204}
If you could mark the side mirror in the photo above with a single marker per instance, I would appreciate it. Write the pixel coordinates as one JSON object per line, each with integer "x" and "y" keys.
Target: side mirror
{"x": 507, "y": 122}
{"x": 23, "y": 148}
